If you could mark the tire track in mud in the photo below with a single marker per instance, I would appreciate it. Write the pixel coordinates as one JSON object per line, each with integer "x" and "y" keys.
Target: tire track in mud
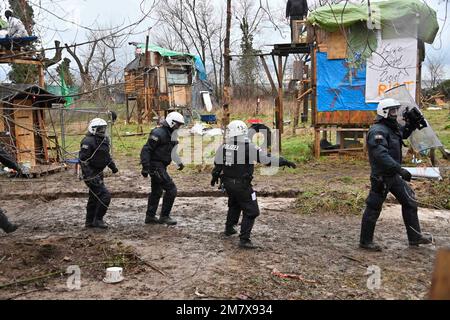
{"x": 290, "y": 194}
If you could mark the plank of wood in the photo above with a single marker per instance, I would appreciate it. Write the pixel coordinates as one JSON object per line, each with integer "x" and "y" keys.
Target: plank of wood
{"x": 43, "y": 130}
{"x": 24, "y": 134}
{"x": 2, "y": 119}
{"x": 352, "y": 118}
{"x": 440, "y": 287}
{"x": 337, "y": 45}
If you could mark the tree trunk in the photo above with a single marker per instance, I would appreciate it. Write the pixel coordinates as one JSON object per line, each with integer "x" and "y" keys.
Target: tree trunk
{"x": 227, "y": 67}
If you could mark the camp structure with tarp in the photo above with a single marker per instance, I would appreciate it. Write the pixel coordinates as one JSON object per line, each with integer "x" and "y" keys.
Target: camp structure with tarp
{"x": 23, "y": 131}
{"x": 159, "y": 80}
{"x": 361, "y": 51}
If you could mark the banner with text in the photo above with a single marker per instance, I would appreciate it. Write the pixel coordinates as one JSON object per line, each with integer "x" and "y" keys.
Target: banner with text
{"x": 393, "y": 63}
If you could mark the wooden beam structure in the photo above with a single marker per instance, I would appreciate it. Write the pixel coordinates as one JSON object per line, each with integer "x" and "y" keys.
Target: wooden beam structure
{"x": 440, "y": 287}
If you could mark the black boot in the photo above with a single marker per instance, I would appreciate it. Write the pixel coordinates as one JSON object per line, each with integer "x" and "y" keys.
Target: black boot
{"x": 246, "y": 244}
{"x": 99, "y": 223}
{"x": 370, "y": 246}
{"x": 167, "y": 220}
{"x": 229, "y": 231}
{"x": 424, "y": 239}
{"x": 89, "y": 224}
{"x": 151, "y": 220}
{"x": 7, "y": 226}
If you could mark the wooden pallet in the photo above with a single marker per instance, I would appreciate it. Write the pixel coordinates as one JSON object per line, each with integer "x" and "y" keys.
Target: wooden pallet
{"x": 44, "y": 170}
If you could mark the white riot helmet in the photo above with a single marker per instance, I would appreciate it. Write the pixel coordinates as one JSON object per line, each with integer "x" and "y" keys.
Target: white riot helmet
{"x": 174, "y": 118}
{"x": 97, "y": 127}
{"x": 386, "y": 104}
{"x": 236, "y": 128}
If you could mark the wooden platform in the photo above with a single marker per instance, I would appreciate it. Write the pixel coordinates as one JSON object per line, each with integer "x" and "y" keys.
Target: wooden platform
{"x": 20, "y": 57}
{"x": 44, "y": 170}
{"x": 285, "y": 49}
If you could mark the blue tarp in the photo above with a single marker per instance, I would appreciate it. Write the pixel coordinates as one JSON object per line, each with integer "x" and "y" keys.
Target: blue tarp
{"x": 340, "y": 88}
{"x": 200, "y": 68}
{"x": 18, "y": 41}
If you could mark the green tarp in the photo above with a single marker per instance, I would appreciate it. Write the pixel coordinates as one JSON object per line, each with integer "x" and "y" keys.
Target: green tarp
{"x": 385, "y": 13}
{"x": 164, "y": 52}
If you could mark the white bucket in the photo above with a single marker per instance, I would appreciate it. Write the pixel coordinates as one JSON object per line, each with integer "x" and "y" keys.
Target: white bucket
{"x": 113, "y": 275}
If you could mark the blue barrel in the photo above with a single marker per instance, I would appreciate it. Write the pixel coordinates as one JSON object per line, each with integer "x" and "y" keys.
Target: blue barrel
{"x": 208, "y": 118}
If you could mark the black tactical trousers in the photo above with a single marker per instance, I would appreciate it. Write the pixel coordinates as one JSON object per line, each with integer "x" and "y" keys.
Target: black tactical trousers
{"x": 99, "y": 199}
{"x": 161, "y": 181}
{"x": 380, "y": 187}
{"x": 241, "y": 198}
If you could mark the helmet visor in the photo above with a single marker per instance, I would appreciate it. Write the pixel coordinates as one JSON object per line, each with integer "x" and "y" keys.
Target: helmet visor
{"x": 100, "y": 131}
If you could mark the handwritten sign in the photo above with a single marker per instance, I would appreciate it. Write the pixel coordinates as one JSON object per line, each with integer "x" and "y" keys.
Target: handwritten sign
{"x": 394, "y": 63}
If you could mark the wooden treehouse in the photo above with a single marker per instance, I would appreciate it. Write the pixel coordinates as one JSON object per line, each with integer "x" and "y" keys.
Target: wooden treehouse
{"x": 23, "y": 130}
{"x": 352, "y": 66}
{"x": 158, "y": 81}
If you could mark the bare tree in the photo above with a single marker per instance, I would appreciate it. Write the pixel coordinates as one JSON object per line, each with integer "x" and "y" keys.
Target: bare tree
{"x": 94, "y": 62}
{"x": 435, "y": 67}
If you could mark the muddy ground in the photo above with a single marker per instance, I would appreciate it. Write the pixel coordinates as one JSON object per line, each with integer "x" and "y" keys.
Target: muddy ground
{"x": 193, "y": 260}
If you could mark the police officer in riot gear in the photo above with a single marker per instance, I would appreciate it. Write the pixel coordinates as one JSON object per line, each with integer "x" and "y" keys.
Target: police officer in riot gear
{"x": 384, "y": 140}
{"x": 156, "y": 155}
{"x": 94, "y": 158}
{"x": 6, "y": 160}
{"x": 234, "y": 165}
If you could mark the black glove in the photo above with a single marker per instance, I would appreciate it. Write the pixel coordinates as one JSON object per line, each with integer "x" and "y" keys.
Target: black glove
{"x": 144, "y": 173}
{"x": 214, "y": 181}
{"x": 180, "y": 167}
{"x": 405, "y": 174}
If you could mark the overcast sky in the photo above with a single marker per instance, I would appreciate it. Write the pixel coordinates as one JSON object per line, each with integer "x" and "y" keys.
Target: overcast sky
{"x": 104, "y": 13}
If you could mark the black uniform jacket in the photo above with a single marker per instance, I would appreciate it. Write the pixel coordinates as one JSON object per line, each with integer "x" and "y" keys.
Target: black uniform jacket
{"x": 95, "y": 155}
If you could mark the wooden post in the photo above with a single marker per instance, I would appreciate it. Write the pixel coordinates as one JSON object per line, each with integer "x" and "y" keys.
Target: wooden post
{"x": 227, "y": 70}
{"x": 146, "y": 80}
{"x": 269, "y": 76}
{"x": 127, "y": 104}
{"x": 313, "y": 86}
{"x": 43, "y": 133}
{"x": 298, "y": 93}
{"x": 317, "y": 142}
{"x": 305, "y": 99}
{"x": 440, "y": 287}
{"x": 280, "y": 110}
{"x": 41, "y": 76}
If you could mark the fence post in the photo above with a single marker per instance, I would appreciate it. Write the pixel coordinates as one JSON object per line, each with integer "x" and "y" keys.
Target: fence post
{"x": 63, "y": 135}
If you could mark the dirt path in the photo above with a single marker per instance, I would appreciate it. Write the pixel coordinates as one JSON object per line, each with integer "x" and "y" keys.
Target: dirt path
{"x": 200, "y": 263}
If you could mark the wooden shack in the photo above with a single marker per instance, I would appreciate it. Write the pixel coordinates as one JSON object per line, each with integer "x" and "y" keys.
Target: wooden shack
{"x": 23, "y": 131}
{"x": 159, "y": 81}
{"x": 359, "y": 56}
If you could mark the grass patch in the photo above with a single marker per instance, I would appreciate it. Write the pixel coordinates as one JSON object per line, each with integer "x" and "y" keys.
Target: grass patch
{"x": 298, "y": 148}
{"x": 323, "y": 200}
{"x": 434, "y": 194}
{"x": 440, "y": 122}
